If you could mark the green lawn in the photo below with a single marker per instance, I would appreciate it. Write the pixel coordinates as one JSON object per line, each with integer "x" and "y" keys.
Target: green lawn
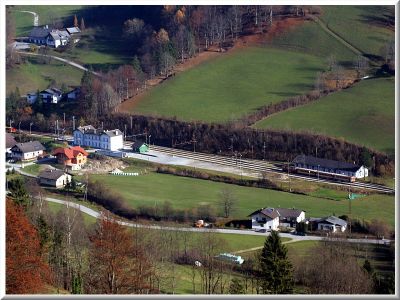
{"x": 310, "y": 38}
{"x": 32, "y": 169}
{"x": 56, "y": 207}
{"x": 33, "y": 76}
{"x": 365, "y": 27}
{"x": 227, "y": 87}
{"x": 47, "y": 14}
{"x": 363, "y": 114}
{"x": 153, "y": 189}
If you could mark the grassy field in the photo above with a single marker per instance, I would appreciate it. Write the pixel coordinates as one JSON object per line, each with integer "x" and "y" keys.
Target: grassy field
{"x": 310, "y": 38}
{"x": 365, "y": 27}
{"x": 32, "y": 169}
{"x": 352, "y": 114}
{"x": 47, "y": 14}
{"x": 153, "y": 189}
{"x": 56, "y": 207}
{"x": 227, "y": 87}
{"x": 33, "y": 76}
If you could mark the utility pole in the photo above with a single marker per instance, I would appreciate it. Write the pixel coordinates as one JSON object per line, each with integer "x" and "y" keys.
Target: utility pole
{"x": 240, "y": 166}
{"x": 125, "y": 132}
{"x": 232, "y": 144}
{"x": 30, "y": 128}
{"x": 149, "y": 140}
{"x": 288, "y": 168}
{"x": 19, "y": 131}
{"x": 318, "y": 172}
{"x": 127, "y": 90}
{"x": 264, "y": 151}
{"x": 131, "y": 124}
{"x": 73, "y": 123}
{"x": 64, "y": 120}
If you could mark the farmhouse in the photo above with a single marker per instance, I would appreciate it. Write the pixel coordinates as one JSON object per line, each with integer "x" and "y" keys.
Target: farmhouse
{"x": 73, "y": 157}
{"x": 27, "y": 151}
{"x": 53, "y": 37}
{"x": 38, "y": 35}
{"x": 57, "y": 38}
{"x": 265, "y": 218}
{"x": 55, "y": 178}
{"x": 326, "y": 167}
{"x": 98, "y": 138}
{"x": 140, "y": 146}
{"x": 289, "y": 217}
{"x": 51, "y": 95}
{"x": 10, "y": 142}
{"x": 330, "y": 223}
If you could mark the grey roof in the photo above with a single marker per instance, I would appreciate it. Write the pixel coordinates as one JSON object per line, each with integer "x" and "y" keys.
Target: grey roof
{"x": 51, "y": 174}
{"x": 333, "y": 220}
{"x": 28, "y": 147}
{"x": 72, "y": 30}
{"x": 10, "y": 141}
{"x": 112, "y": 133}
{"x": 137, "y": 144}
{"x": 325, "y": 163}
{"x": 39, "y": 32}
{"x": 87, "y": 129}
{"x": 52, "y": 91}
{"x": 288, "y": 212}
{"x": 269, "y": 212}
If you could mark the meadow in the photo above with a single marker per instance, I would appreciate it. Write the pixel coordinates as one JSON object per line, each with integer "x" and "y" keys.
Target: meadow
{"x": 365, "y": 27}
{"x": 33, "y": 75}
{"x": 227, "y": 87}
{"x": 362, "y": 114}
{"x": 154, "y": 189}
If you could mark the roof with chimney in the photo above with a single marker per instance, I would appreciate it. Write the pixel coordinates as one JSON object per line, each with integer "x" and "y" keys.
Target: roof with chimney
{"x": 269, "y": 212}
{"x": 325, "y": 163}
{"x": 28, "y": 147}
{"x": 70, "y": 152}
{"x": 89, "y": 129}
{"x": 51, "y": 174}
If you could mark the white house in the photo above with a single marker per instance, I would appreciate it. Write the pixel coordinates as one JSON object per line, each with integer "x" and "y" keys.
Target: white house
{"x": 289, "y": 217}
{"x": 57, "y": 38}
{"x": 27, "y": 151}
{"x": 331, "y": 223}
{"x": 51, "y": 95}
{"x": 102, "y": 139}
{"x": 265, "y": 218}
{"x": 55, "y": 178}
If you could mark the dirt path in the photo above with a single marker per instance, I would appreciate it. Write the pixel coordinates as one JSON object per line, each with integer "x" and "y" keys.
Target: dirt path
{"x": 260, "y": 247}
{"x": 277, "y": 27}
{"x": 35, "y": 16}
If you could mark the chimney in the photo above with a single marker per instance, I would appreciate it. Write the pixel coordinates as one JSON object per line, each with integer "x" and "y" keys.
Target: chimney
{"x": 116, "y": 132}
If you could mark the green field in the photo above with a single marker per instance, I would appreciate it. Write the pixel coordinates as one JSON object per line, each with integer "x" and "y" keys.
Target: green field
{"x": 33, "y": 76}
{"x": 310, "y": 38}
{"x": 227, "y": 87}
{"x": 32, "y": 169}
{"x": 365, "y": 27}
{"x": 56, "y": 207}
{"x": 363, "y": 114}
{"x": 47, "y": 14}
{"x": 154, "y": 189}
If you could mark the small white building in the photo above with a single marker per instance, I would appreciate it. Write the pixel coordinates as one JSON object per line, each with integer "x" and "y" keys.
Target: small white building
{"x": 96, "y": 138}
{"x": 265, "y": 218}
{"x": 51, "y": 95}
{"x": 332, "y": 224}
{"x": 54, "y": 177}
{"x": 27, "y": 151}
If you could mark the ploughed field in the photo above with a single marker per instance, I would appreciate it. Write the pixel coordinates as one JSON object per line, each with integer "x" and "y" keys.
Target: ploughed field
{"x": 154, "y": 189}
{"x": 363, "y": 114}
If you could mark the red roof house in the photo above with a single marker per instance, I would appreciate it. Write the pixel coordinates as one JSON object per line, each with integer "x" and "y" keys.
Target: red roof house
{"x": 73, "y": 157}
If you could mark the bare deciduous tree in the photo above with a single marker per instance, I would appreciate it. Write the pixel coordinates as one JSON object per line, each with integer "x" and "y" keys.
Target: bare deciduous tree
{"x": 227, "y": 201}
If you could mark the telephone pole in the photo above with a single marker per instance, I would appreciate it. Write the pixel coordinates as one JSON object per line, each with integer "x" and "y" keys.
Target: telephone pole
{"x": 73, "y": 123}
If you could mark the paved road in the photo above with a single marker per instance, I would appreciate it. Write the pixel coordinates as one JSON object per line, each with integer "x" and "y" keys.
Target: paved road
{"x": 294, "y": 238}
{"x": 74, "y": 64}
{"x": 35, "y": 17}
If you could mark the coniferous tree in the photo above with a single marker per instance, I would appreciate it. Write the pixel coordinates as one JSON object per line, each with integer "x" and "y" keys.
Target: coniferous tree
{"x": 276, "y": 269}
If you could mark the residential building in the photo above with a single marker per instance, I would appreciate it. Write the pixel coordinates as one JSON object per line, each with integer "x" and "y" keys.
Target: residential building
{"x": 54, "y": 177}
{"x": 10, "y": 142}
{"x": 39, "y": 34}
{"x": 265, "y": 219}
{"x": 328, "y": 168}
{"x": 74, "y": 94}
{"x": 140, "y": 146}
{"x": 27, "y": 151}
{"x": 31, "y": 97}
{"x": 331, "y": 223}
{"x": 75, "y": 34}
{"x": 44, "y": 35}
{"x": 97, "y": 138}
{"x": 51, "y": 95}
{"x": 289, "y": 217}
{"x": 73, "y": 157}
{"x": 57, "y": 38}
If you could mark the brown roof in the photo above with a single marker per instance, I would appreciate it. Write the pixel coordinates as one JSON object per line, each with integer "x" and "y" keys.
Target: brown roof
{"x": 269, "y": 212}
{"x": 28, "y": 147}
{"x": 288, "y": 212}
{"x": 51, "y": 174}
{"x": 70, "y": 152}
{"x": 10, "y": 141}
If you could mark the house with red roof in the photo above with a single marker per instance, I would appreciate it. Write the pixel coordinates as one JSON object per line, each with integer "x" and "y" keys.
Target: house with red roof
{"x": 71, "y": 157}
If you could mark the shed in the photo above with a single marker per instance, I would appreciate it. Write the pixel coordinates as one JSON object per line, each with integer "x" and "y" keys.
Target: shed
{"x": 140, "y": 147}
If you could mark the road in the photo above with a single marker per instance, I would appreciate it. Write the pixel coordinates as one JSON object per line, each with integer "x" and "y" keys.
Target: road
{"x": 294, "y": 238}
{"x": 69, "y": 62}
{"x": 35, "y": 17}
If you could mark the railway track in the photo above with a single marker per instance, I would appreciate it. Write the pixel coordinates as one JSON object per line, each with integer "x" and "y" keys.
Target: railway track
{"x": 262, "y": 166}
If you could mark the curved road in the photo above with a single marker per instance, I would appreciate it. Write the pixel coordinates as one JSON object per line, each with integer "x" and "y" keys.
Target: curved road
{"x": 295, "y": 238}
{"x": 35, "y": 16}
{"x": 74, "y": 64}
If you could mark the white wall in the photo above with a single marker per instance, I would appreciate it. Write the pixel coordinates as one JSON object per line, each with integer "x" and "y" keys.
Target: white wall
{"x": 101, "y": 142}
{"x": 271, "y": 224}
{"x": 27, "y": 155}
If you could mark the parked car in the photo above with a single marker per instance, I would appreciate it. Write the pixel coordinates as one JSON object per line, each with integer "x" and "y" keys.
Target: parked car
{"x": 261, "y": 230}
